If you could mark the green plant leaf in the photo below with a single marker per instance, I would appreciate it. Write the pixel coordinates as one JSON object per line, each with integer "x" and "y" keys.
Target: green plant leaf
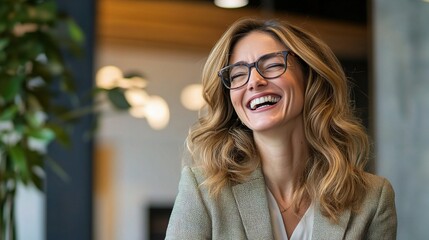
{"x": 43, "y": 12}
{"x": 75, "y": 31}
{"x": 42, "y": 70}
{"x": 32, "y": 121}
{"x": 3, "y": 43}
{"x": 2, "y": 56}
{"x": 68, "y": 82}
{"x": 19, "y": 162}
{"x": 9, "y": 113}
{"x": 45, "y": 134}
{"x": 37, "y": 180}
{"x": 3, "y": 26}
{"x": 55, "y": 65}
{"x": 62, "y": 136}
{"x": 57, "y": 169}
{"x": 36, "y": 166}
{"x": 30, "y": 46}
{"x": 117, "y": 97}
{"x": 134, "y": 74}
{"x": 10, "y": 86}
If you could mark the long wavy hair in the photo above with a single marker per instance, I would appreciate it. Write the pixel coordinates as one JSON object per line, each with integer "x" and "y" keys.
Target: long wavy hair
{"x": 338, "y": 144}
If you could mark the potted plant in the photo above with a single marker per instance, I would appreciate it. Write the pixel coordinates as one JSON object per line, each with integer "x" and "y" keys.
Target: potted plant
{"x": 33, "y": 75}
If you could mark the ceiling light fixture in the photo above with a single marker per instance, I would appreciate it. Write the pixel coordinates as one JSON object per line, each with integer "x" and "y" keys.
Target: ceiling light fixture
{"x": 192, "y": 97}
{"x": 141, "y": 104}
{"x": 231, "y": 3}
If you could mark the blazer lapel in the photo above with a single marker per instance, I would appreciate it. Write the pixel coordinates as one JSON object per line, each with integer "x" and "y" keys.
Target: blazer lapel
{"x": 324, "y": 229}
{"x": 252, "y": 204}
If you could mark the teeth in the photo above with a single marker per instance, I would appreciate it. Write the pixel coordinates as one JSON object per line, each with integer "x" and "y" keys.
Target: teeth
{"x": 266, "y": 99}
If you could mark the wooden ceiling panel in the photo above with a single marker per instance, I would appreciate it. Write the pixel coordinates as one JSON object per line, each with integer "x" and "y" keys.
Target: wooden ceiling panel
{"x": 198, "y": 25}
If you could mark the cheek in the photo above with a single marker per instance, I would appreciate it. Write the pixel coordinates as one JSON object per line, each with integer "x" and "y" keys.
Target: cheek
{"x": 236, "y": 101}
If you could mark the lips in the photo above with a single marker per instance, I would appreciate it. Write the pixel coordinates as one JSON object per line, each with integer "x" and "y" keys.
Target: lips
{"x": 263, "y": 101}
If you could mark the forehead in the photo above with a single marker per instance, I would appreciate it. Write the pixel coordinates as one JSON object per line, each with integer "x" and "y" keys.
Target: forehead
{"x": 253, "y": 45}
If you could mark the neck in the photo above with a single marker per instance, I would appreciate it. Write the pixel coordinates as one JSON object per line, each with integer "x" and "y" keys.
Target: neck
{"x": 283, "y": 158}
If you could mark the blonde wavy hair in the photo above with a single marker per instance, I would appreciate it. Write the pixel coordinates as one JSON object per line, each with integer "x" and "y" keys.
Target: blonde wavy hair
{"x": 338, "y": 144}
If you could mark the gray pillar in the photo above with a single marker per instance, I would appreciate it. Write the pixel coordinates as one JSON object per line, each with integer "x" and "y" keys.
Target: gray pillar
{"x": 401, "y": 68}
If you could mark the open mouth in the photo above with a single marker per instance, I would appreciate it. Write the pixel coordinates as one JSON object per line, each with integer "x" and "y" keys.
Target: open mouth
{"x": 264, "y": 101}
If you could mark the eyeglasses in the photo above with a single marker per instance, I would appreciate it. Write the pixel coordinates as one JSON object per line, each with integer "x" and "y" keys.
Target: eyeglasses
{"x": 269, "y": 66}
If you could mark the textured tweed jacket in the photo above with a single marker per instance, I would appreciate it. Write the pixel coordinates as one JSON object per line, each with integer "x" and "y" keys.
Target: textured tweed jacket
{"x": 241, "y": 212}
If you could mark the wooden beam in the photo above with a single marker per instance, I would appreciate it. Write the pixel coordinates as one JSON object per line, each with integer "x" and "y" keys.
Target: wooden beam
{"x": 197, "y": 25}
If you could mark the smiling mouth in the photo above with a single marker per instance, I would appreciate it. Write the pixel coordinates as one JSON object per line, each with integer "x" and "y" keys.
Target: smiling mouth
{"x": 264, "y": 101}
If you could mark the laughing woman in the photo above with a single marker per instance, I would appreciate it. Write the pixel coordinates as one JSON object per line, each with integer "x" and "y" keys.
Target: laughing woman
{"x": 278, "y": 153}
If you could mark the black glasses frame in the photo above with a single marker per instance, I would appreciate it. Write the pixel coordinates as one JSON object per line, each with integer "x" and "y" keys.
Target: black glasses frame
{"x": 226, "y": 78}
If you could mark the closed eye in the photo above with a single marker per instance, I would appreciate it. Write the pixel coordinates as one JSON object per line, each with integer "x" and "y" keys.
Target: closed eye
{"x": 274, "y": 67}
{"x": 238, "y": 76}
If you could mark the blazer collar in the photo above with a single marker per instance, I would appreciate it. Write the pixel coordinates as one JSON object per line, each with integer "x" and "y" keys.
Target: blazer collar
{"x": 323, "y": 228}
{"x": 252, "y": 203}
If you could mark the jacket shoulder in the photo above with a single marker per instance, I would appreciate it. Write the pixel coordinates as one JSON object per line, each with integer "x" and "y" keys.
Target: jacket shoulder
{"x": 376, "y": 185}
{"x": 378, "y": 212}
{"x": 195, "y": 172}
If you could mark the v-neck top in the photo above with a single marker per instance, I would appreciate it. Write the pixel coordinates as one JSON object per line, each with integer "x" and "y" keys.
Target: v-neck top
{"x": 303, "y": 230}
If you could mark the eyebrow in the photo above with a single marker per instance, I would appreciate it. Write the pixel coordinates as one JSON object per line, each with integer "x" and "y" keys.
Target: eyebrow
{"x": 257, "y": 59}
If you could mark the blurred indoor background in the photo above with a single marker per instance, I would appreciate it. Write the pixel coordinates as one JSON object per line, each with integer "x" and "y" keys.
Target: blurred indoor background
{"x": 123, "y": 183}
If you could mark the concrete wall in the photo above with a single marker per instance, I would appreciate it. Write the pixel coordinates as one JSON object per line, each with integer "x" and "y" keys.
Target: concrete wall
{"x": 401, "y": 67}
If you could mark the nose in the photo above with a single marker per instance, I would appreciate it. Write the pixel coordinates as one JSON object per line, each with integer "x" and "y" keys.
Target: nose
{"x": 256, "y": 80}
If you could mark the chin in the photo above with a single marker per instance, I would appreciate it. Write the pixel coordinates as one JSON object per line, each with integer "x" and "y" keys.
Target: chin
{"x": 261, "y": 127}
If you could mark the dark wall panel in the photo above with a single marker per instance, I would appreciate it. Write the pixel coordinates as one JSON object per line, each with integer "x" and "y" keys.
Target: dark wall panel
{"x": 69, "y": 203}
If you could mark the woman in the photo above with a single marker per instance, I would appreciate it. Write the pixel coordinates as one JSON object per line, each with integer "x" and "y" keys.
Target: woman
{"x": 278, "y": 154}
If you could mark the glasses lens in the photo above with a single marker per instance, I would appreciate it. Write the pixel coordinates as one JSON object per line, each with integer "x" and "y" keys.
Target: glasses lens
{"x": 269, "y": 66}
{"x": 272, "y": 65}
{"x": 224, "y": 74}
{"x": 238, "y": 75}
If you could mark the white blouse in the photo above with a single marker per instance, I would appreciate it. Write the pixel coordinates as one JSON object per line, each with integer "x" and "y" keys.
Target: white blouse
{"x": 303, "y": 230}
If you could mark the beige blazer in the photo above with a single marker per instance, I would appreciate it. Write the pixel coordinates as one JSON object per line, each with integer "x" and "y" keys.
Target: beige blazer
{"x": 241, "y": 212}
